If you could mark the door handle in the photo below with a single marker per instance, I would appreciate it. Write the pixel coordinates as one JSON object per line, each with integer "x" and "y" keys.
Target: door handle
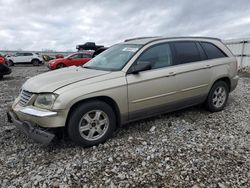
{"x": 172, "y": 74}
{"x": 207, "y": 66}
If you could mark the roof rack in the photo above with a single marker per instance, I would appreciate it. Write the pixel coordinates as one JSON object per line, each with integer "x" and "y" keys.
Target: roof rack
{"x": 138, "y": 38}
{"x": 194, "y": 37}
{"x": 156, "y": 38}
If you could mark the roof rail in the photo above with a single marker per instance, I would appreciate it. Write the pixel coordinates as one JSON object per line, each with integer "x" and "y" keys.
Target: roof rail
{"x": 138, "y": 38}
{"x": 156, "y": 38}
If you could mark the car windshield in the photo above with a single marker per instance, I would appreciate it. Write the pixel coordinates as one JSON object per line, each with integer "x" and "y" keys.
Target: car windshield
{"x": 114, "y": 58}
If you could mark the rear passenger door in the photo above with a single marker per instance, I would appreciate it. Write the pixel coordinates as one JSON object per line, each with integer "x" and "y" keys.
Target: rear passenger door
{"x": 27, "y": 58}
{"x": 192, "y": 73}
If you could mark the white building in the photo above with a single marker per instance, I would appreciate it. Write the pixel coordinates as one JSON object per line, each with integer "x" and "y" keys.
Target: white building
{"x": 241, "y": 49}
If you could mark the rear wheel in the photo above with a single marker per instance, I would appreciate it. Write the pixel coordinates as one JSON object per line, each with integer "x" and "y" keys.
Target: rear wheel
{"x": 60, "y": 65}
{"x": 35, "y": 62}
{"x": 91, "y": 123}
{"x": 217, "y": 97}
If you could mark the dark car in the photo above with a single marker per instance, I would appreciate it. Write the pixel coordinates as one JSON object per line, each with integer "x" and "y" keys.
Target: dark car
{"x": 4, "y": 69}
{"x": 99, "y": 50}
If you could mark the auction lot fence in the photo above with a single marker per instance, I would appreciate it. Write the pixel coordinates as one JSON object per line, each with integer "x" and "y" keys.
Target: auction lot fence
{"x": 241, "y": 49}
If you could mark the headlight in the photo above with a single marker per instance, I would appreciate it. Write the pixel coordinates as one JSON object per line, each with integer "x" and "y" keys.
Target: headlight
{"x": 45, "y": 101}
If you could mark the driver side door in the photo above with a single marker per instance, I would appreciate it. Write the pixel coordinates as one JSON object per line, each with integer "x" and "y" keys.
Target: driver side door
{"x": 77, "y": 60}
{"x": 19, "y": 58}
{"x": 150, "y": 90}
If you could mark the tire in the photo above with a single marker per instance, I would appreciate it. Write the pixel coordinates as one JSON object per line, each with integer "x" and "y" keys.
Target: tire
{"x": 10, "y": 62}
{"x": 217, "y": 97}
{"x": 97, "y": 122}
{"x": 60, "y": 65}
{"x": 35, "y": 62}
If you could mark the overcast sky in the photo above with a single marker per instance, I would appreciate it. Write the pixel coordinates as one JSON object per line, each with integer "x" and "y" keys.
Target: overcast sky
{"x": 61, "y": 24}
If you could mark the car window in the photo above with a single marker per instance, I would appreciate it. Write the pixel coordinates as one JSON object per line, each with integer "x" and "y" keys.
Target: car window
{"x": 19, "y": 54}
{"x": 212, "y": 51}
{"x": 27, "y": 54}
{"x": 159, "y": 56}
{"x": 76, "y": 56}
{"x": 186, "y": 52}
{"x": 86, "y": 56}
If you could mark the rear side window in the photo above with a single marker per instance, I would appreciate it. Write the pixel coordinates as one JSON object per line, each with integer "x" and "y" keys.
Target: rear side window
{"x": 186, "y": 52}
{"x": 212, "y": 51}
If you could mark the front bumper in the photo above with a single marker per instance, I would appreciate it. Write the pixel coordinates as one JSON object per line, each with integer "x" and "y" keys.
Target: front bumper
{"x": 51, "y": 66}
{"x": 31, "y": 130}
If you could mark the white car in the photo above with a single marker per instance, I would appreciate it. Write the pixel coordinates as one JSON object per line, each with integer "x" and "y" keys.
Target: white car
{"x": 25, "y": 57}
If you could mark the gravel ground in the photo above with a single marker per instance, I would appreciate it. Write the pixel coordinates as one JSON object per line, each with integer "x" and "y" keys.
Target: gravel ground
{"x": 188, "y": 148}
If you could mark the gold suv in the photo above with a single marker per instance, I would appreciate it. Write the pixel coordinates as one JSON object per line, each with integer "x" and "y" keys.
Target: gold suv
{"x": 131, "y": 80}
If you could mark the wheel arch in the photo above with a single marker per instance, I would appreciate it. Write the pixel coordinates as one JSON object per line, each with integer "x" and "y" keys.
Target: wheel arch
{"x": 35, "y": 59}
{"x": 60, "y": 63}
{"x": 225, "y": 79}
{"x": 111, "y": 102}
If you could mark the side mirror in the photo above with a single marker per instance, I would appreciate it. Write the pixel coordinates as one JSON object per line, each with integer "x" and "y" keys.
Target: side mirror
{"x": 69, "y": 58}
{"x": 135, "y": 69}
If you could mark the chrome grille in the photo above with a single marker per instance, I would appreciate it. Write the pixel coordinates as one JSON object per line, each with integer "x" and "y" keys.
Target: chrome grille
{"x": 25, "y": 97}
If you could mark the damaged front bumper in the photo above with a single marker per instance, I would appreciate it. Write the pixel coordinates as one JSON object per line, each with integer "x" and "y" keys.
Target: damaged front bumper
{"x": 30, "y": 129}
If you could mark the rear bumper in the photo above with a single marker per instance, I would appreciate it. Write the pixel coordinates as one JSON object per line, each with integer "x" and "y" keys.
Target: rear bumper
{"x": 33, "y": 131}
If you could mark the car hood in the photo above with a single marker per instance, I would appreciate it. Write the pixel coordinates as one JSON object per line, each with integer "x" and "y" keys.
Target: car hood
{"x": 53, "y": 80}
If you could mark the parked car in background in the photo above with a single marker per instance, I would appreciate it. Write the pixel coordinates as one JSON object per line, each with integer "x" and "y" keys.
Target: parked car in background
{"x": 25, "y": 57}
{"x": 4, "y": 69}
{"x": 88, "y": 46}
{"x": 99, "y": 50}
{"x": 76, "y": 59}
{"x": 59, "y": 56}
{"x": 129, "y": 81}
{"x": 47, "y": 58}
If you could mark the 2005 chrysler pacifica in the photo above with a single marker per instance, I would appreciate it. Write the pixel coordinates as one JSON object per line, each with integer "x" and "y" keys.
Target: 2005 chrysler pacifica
{"x": 135, "y": 79}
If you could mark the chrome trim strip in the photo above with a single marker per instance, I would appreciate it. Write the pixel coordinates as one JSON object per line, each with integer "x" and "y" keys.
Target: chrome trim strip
{"x": 153, "y": 97}
{"x": 37, "y": 113}
{"x": 195, "y": 87}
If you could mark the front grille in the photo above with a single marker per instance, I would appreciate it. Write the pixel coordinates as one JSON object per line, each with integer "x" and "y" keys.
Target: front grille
{"x": 25, "y": 97}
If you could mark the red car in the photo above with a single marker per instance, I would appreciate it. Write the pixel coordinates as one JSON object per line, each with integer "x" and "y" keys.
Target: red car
{"x": 2, "y": 60}
{"x": 76, "y": 59}
{"x": 4, "y": 69}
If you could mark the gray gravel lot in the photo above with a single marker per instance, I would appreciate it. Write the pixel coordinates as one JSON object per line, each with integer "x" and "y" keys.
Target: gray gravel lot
{"x": 188, "y": 148}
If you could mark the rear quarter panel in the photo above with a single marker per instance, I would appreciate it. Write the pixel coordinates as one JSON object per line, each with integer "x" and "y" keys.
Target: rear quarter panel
{"x": 223, "y": 67}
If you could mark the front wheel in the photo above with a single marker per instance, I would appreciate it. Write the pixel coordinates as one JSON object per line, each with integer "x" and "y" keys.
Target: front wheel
{"x": 60, "y": 65}
{"x": 91, "y": 123}
{"x": 10, "y": 63}
{"x": 217, "y": 97}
